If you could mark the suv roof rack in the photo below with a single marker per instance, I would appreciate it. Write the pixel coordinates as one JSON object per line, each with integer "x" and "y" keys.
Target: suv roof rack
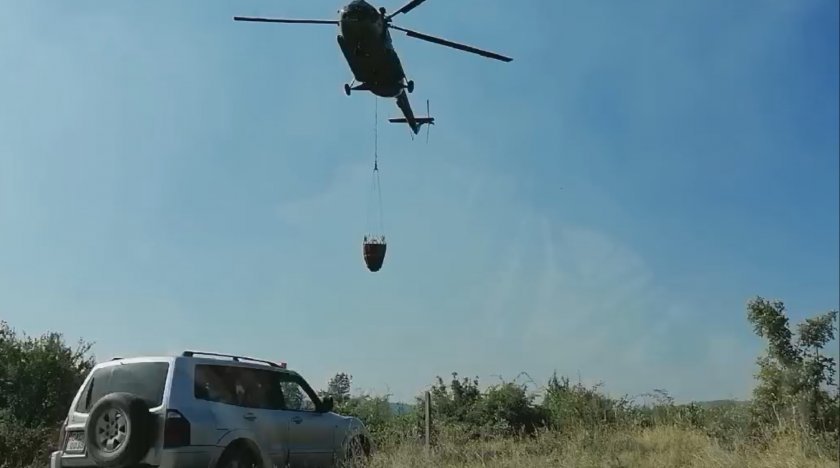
{"x": 282, "y": 365}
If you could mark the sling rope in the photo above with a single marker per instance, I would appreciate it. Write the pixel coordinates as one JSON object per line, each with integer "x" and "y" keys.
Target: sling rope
{"x": 377, "y": 186}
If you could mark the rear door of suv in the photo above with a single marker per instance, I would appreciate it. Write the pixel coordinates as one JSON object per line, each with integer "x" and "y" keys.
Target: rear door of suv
{"x": 241, "y": 397}
{"x": 144, "y": 378}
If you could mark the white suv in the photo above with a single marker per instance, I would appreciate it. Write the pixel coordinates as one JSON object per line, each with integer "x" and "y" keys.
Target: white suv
{"x": 190, "y": 411}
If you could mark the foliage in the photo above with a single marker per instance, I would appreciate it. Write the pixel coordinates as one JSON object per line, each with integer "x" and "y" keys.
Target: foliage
{"x": 508, "y": 406}
{"x": 21, "y": 445}
{"x": 456, "y": 403}
{"x": 794, "y": 396}
{"x": 503, "y": 409}
{"x": 339, "y": 388}
{"x": 571, "y": 406}
{"x": 795, "y": 378}
{"x": 38, "y": 380}
{"x": 377, "y": 414}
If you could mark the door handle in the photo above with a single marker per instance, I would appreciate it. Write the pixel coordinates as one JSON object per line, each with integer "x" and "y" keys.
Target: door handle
{"x": 249, "y": 416}
{"x": 297, "y": 420}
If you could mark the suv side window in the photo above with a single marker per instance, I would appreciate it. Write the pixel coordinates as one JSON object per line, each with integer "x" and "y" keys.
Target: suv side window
{"x": 295, "y": 396}
{"x": 212, "y": 383}
{"x": 239, "y": 386}
{"x": 83, "y": 403}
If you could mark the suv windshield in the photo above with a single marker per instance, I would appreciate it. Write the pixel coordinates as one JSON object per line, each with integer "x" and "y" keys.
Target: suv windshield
{"x": 144, "y": 379}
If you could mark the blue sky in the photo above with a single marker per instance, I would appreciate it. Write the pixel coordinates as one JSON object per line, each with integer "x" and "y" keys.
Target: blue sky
{"x": 603, "y": 206}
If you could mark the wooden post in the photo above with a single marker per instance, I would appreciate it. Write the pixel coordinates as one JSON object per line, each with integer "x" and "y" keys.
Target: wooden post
{"x": 428, "y": 421}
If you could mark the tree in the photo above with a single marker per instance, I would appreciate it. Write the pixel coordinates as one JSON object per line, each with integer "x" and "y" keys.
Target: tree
{"x": 794, "y": 375}
{"x": 40, "y": 376}
{"x": 339, "y": 387}
{"x": 38, "y": 379}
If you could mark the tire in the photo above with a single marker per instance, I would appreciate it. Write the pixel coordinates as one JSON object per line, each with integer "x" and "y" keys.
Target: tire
{"x": 118, "y": 431}
{"x": 356, "y": 456}
{"x": 237, "y": 458}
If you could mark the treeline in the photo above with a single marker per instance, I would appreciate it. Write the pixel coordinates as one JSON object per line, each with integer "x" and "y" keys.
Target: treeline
{"x": 796, "y": 392}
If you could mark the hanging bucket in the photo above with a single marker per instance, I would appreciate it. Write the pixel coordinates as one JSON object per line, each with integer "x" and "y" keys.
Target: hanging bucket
{"x": 374, "y": 252}
{"x": 373, "y": 247}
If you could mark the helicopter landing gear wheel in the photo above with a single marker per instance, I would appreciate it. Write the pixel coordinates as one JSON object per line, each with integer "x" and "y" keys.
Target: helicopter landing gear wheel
{"x": 346, "y": 89}
{"x": 410, "y": 86}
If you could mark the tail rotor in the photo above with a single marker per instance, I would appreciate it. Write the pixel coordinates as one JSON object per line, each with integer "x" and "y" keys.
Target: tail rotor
{"x": 431, "y": 122}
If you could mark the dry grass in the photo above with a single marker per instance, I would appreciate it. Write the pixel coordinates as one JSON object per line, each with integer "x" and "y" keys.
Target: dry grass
{"x": 657, "y": 447}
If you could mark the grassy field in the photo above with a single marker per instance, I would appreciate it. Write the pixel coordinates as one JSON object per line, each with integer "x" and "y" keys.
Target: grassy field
{"x": 656, "y": 447}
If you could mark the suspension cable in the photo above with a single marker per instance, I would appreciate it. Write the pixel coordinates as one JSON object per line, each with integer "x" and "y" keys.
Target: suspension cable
{"x": 376, "y": 183}
{"x": 375, "y": 136}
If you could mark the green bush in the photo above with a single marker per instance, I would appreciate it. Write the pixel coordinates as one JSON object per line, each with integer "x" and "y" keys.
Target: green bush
{"x": 39, "y": 376}
{"x": 22, "y": 446}
{"x": 38, "y": 380}
{"x": 500, "y": 410}
{"x": 574, "y": 406}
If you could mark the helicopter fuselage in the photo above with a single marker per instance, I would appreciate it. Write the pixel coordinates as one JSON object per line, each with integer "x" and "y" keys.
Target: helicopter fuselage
{"x": 366, "y": 44}
{"x": 365, "y": 41}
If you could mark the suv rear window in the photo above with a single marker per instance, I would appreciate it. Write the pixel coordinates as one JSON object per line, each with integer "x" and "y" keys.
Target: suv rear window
{"x": 144, "y": 379}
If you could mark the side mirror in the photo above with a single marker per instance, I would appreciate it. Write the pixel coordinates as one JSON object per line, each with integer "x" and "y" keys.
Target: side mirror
{"x": 327, "y": 404}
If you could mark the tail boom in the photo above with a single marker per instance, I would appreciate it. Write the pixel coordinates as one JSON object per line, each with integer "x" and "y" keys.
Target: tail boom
{"x": 414, "y": 122}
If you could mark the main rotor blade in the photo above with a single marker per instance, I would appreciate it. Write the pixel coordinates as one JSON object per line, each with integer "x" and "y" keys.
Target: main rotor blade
{"x": 282, "y": 20}
{"x": 406, "y": 8}
{"x": 454, "y": 45}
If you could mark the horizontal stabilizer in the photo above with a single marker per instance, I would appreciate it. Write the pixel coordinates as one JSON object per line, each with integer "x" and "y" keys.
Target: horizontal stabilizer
{"x": 419, "y": 120}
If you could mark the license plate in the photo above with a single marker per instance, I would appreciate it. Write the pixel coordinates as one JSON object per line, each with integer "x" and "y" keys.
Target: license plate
{"x": 75, "y": 442}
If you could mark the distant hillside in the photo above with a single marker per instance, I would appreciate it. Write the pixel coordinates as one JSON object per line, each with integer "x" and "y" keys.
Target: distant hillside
{"x": 401, "y": 408}
{"x": 404, "y": 408}
{"x": 721, "y": 404}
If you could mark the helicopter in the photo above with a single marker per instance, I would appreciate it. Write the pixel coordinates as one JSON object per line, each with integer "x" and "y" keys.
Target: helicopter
{"x": 365, "y": 41}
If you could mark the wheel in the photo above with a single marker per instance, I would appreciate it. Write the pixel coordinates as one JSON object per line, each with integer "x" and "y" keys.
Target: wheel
{"x": 346, "y": 89}
{"x": 356, "y": 456}
{"x": 118, "y": 431}
{"x": 410, "y": 86}
{"x": 237, "y": 458}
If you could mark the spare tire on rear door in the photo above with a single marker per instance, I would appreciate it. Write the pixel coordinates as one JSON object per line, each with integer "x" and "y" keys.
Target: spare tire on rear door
{"x": 118, "y": 431}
